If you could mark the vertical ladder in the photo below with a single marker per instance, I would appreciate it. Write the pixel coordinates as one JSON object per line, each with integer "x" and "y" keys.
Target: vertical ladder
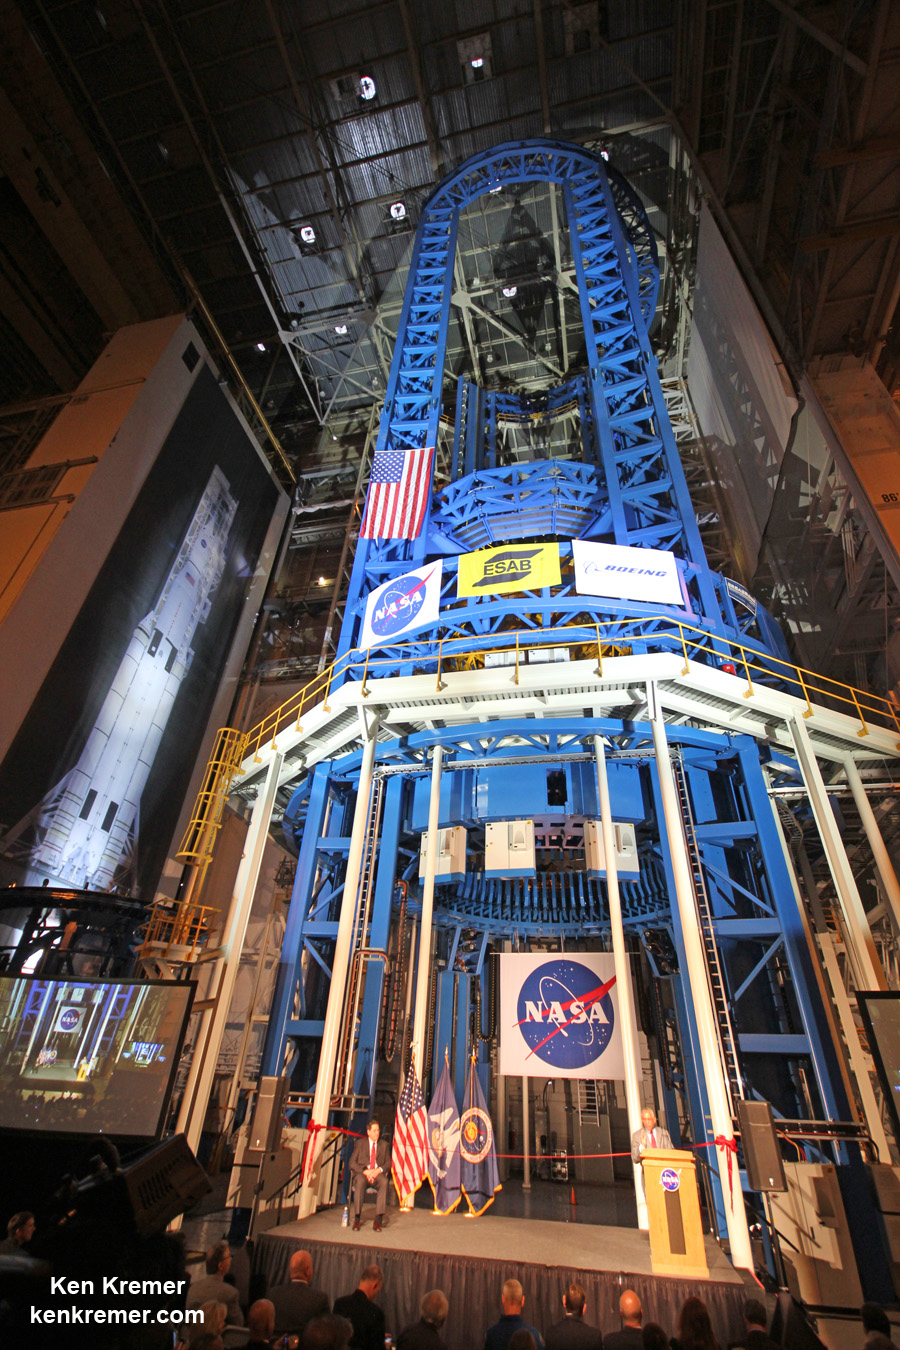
{"x": 715, "y": 973}
{"x": 360, "y": 930}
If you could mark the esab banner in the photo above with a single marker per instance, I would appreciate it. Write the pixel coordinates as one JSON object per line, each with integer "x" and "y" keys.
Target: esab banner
{"x": 559, "y": 1016}
{"x": 511, "y": 567}
{"x": 402, "y": 605}
{"x": 626, "y": 573}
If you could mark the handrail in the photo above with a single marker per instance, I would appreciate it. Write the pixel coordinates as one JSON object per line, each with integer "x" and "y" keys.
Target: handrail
{"x": 668, "y": 635}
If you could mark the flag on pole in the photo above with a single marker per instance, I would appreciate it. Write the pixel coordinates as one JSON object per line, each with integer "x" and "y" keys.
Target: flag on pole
{"x": 398, "y": 493}
{"x": 409, "y": 1148}
{"x": 443, "y": 1145}
{"x": 479, "y": 1174}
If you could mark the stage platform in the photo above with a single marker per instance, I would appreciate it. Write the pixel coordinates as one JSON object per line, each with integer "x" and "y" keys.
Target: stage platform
{"x": 470, "y": 1259}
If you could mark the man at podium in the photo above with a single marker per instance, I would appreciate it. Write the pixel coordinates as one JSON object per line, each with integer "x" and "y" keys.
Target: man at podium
{"x": 650, "y": 1135}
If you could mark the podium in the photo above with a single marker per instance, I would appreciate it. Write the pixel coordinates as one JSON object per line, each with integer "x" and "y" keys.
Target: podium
{"x": 676, "y": 1233}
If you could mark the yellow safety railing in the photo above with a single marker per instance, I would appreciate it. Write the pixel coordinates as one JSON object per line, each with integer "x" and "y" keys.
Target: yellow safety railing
{"x": 182, "y": 927}
{"x": 441, "y": 656}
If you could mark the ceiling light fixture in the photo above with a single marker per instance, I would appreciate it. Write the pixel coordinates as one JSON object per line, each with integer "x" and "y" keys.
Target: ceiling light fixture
{"x": 477, "y": 62}
{"x": 367, "y": 88}
{"x": 307, "y": 234}
{"x": 340, "y": 328}
{"x": 398, "y": 211}
{"x": 260, "y": 346}
{"x": 510, "y": 291}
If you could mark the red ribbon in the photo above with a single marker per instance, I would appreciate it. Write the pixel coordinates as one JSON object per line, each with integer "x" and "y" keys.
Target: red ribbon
{"x": 730, "y": 1147}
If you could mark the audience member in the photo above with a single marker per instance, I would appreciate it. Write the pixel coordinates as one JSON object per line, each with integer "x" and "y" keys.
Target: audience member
{"x": 876, "y": 1326}
{"x": 499, "y": 1335}
{"x": 327, "y": 1333}
{"x": 521, "y": 1340}
{"x": 630, "y": 1337}
{"x": 261, "y": 1324}
{"x": 423, "y": 1335}
{"x": 297, "y": 1302}
{"x": 364, "y": 1315}
{"x": 370, "y": 1163}
{"x": 756, "y": 1322}
{"x": 694, "y": 1327}
{"x": 19, "y": 1232}
{"x": 573, "y": 1333}
{"x": 214, "y": 1314}
{"x": 654, "y": 1337}
{"x": 213, "y": 1286}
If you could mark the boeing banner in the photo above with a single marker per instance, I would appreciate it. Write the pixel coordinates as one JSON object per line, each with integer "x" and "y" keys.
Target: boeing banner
{"x": 626, "y": 573}
{"x": 559, "y": 1016}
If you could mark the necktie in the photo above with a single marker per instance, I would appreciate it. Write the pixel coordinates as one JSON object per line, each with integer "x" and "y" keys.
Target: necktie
{"x": 653, "y": 1139}
{"x": 372, "y": 1155}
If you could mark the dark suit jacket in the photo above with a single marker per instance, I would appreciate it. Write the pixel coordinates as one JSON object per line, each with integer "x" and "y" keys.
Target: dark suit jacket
{"x": 359, "y": 1158}
{"x": 366, "y": 1316}
{"x": 500, "y": 1334}
{"x": 642, "y": 1137}
{"x": 629, "y": 1338}
{"x": 295, "y": 1305}
{"x": 420, "y": 1336}
{"x": 758, "y": 1340}
{"x": 573, "y": 1333}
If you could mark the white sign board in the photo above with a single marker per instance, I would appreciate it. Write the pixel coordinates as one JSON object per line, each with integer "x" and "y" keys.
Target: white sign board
{"x": 626, "y": 573}
{"x": 402, "y": 605}
{"x": 559, "y": 1016}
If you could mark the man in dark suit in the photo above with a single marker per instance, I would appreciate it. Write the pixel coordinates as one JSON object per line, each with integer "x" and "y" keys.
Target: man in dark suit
{"x": 213, "y": 1285}
{"x": 756, "y": 1322}
{"x": 573, "y": 1333}
{"x": 297, "y": 1302}
{"x": 631, "y": 1337}
{"x": 370, "y": 1163}
{"x": 365, "y": 1316}
{"x": 424, "y": 1334}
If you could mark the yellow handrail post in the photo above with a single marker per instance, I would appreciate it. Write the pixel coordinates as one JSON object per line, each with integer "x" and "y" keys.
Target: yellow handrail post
{"x": 325, "y": 707}
{"x": 865, "y": 729}
{"x": 516, "y": 681}
{"x": 599, "y": 670}
{"x": 749, "y": 691}
{"x": 439, "y": 686}
{"x": 687, "y": 669}
{"x": 809, "y": 707}
{"x": 365, "y": 692}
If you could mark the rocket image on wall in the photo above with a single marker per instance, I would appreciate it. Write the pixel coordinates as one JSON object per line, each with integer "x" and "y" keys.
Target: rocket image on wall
{"x": 86, "y": 825}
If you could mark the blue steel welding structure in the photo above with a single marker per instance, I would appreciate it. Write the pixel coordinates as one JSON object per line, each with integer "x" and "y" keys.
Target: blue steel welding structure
{"x": 628, "y": 488}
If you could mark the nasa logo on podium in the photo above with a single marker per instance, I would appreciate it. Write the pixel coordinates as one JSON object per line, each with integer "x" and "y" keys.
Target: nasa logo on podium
{"x": 670, "y": 1179}
{"x": 559, "y": 1015}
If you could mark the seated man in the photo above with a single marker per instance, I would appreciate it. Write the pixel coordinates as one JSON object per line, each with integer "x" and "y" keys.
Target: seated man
{"x": 19, "y": 1232}
{"x": 424, "y": 1334}
{"x": 297, "y": 1302}
{"x": 370, "y": 1163}
{"x": 213, "y": 1285}
{"x": 365, "y": 1316}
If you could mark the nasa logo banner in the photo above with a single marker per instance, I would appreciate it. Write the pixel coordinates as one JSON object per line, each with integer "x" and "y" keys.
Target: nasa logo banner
{"x": 402, "y": 605}
{"x": 626, "y": 573}
{"x": 559, "y": 1016}
{"x": 69, "y": 1019}
{"x": 510, "y": 567}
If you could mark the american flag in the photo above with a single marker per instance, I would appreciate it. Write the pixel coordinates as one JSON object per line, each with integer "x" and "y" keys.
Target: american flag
{"x": 398, "y": 492}
{"x": 409, "y": 1149}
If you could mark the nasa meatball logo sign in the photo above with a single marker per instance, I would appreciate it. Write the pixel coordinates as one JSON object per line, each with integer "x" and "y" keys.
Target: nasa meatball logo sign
{"x": 559, "y": 1016}
{"x": 401, "y": 605}
{"x": 69, "y": 1019}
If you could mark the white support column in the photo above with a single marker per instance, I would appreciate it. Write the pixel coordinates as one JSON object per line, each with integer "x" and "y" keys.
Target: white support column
{"x": 876, "y": 841}
{"x": 423, "y": 973}
{"x": 698, "y": 975}
{"x": 867, "y": 969}
{"x": 526, "y": 1137}
{"x": 334, "y": 1012}
{"x": 627, "y": 1020}
{"x": 209, "y": 1039}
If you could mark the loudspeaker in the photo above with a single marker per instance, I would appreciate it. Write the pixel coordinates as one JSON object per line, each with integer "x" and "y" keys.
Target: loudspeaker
{"x": 765, "y": 1170}
{"x": 268, "y": 1115}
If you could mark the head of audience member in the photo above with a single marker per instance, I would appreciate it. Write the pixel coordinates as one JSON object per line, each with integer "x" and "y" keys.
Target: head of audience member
{"x": 327, "y": 1333}
{"x": 371, "y": 1281}
{"x": 522, "y": 1340}
{"x": 214, "y": 1315}
{"x": 874, "y": 1318}
{"x": 512, "y": 1297}
{"x": 434, "y": 1308}
{"x": 218, "y": 1259}
{"x": 21, "y": 1227}
{"x": 694, "y": 1327}
{"x": 300, "y": 1268}
{"x": 574, "y": 1300}
{"x": 654, "y": 1337}
{"x": 630, "y": 1309}
{"x": 261, "y": 1320}
{"x": 755, "y": 1315}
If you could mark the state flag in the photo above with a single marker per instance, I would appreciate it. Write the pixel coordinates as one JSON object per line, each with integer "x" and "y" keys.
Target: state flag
{"x": 479, "y": 1173}
{"x": 443, "y": 1146}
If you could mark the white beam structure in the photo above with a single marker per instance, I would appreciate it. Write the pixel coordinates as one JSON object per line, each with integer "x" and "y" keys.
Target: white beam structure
{"x": 334, "y": 1012}
{"x": 209, "y": 1039}
{"x": 886, "y": 871}
{"x": 423, "y": 973}
{"x": 698, "y": 975}
{"x": 867, "y": 968}
{"x": 623, "y": 976}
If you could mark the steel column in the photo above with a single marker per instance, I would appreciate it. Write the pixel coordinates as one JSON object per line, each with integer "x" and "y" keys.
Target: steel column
{"x": 883, "y": 863}
{"x": 424, "y": 971}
